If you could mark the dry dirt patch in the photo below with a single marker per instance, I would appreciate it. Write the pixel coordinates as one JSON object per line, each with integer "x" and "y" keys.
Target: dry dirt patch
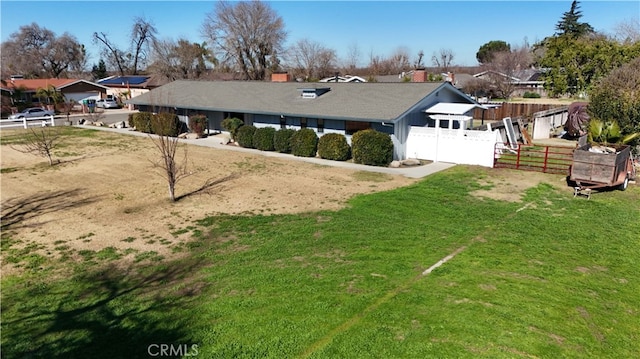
{"x": 510, "y": 185}
{"x": 106, "y": 193}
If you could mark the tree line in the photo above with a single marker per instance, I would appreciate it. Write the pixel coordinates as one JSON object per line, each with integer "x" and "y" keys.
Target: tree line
{"x": 248, "y": 39}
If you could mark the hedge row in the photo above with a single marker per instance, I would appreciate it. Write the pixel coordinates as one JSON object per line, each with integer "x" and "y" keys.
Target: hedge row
{"x": 164, "y": 124}
{"x": 369, "y": 147}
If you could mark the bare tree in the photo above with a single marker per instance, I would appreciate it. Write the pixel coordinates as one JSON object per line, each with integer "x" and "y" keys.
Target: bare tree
{"x": 443, "y": 60}
{"x": 181, "y": 59}
{"x": 476, "y": 87}
{"x": 115, "y": 57}
{"x": 628, "y": 31}
{"x": 40, "y": 142}
{"x": 399, "y": 60}
{"x": 142, "y": 33}
{"x": 311, "y": 59}
{"x": 379, "y": 65}
{"x": 327, "y": 62}
{"x": 37, "y": 52}
{"x": 418, "y": 64}
{"x": 353, "y": 58}
{"x": 247, "y": 35}
{"x": 66, "y": 54}
{"x": 375, "y": 64}
{"x": 504, "y": 67}
{"x": 167, "y": 143}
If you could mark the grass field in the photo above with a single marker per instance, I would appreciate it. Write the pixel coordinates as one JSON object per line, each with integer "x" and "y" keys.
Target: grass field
{"x": 548, "y": 277}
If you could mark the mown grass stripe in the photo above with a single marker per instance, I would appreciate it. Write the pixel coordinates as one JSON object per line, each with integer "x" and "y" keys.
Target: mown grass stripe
{"x": 388, "y": 296}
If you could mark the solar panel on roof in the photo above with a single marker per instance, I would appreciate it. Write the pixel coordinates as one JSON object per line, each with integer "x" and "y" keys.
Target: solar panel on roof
{"x": 123, "y": 80}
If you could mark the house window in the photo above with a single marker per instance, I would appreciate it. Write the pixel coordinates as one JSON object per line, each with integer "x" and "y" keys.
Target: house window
{"x": 320, "y": 125}
{"x": 237, "y": 115}
{"x": 303, "y": 123}
{"x": 352, "y": 127}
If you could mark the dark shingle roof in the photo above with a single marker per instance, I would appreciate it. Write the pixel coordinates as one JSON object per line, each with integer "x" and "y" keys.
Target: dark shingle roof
{"x": 364, "y": 101}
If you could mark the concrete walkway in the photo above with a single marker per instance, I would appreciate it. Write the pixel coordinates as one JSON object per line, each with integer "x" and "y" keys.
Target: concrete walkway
{"x": 214, "y": 142}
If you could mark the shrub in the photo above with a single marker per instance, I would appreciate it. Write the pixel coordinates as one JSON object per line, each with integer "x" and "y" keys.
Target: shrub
{"x": 263, "y": 138}
{"x": 333, "y": 146}
{"x": 130, "y": 121}
{"x": 232, "y": 124}
{"x": 615, "y": 97}
{"x": 198, "y": 124}
{"x": 245, "y": 136}
{"x": 304, "y": 143}
{"x": 166, "y": 124}
{"x": 371, "y": 147}
{"x": 282, "y": 140}
{"x": 531, "y": 95}
{"x": 142, "y": 121}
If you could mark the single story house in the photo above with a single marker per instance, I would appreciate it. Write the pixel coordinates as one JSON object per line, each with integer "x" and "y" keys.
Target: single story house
{"x": 334, "y": 107}
{"x": 72, "y": 89}
{"x": 126, "y": 87}
{"x": 526, "y": 80}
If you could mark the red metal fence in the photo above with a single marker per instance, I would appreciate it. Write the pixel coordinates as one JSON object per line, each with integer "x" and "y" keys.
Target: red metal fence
{"x": 547, "y": 159}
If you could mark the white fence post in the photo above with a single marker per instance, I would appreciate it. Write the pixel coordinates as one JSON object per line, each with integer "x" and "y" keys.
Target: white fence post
{"x": 25, "y": 122}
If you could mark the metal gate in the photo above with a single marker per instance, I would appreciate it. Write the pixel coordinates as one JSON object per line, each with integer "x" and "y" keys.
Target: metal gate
{"x": 547, "y": 159}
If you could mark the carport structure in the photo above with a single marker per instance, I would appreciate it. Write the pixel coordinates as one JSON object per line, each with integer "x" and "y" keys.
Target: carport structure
{"x": 445, "y": 114}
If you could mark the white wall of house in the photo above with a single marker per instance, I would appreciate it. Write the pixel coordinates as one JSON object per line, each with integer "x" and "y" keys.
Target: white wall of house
{"x": 118, "y": 92}
{"x": 454, "y": 146}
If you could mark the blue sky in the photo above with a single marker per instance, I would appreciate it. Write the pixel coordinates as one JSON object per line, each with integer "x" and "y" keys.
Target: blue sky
{"x": 374, "y": 27}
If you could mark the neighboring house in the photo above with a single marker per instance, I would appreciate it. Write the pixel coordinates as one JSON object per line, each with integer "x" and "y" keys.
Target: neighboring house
{"x": 460, "y": 80}
{"x": 72, "y": 89}
{"x": 6, "y": 101}
{"x": 126, "y": 87}
{"x": 527, "y": 80}
{"x": 346, "y": 78}
{"x": 343, "y": 108}
{"x": 419, "y": 75}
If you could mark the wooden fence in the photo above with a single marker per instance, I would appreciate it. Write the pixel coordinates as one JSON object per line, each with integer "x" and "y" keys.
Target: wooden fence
{"x": 513, "y": 110}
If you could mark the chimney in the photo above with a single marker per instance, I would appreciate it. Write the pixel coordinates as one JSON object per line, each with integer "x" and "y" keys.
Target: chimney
{"x": 419, "y": 75}
{"x": 451, "y": 77}
{"x": 280, "y": 77}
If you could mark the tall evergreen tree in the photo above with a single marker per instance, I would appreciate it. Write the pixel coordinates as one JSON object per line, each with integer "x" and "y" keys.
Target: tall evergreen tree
{"x": 570, "y": 25}
{"x": 99, "y": 71}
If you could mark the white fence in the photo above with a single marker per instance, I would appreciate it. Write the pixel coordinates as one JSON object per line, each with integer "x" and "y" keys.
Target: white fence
{"x": 453, "y": 146}
{"x": 26, "y": 122}
{"x": 545, "y": 121}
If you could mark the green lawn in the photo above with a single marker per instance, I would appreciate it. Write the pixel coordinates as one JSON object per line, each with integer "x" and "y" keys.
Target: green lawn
{"x": 552, "y": 276}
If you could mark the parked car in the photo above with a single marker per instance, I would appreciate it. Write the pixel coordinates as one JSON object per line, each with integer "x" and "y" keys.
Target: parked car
{"x": 107, "y": 103}
{"x": 30, "y": 113}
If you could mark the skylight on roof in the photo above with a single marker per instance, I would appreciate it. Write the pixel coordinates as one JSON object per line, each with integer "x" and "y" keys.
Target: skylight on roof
{"x": 313, "y": 92}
